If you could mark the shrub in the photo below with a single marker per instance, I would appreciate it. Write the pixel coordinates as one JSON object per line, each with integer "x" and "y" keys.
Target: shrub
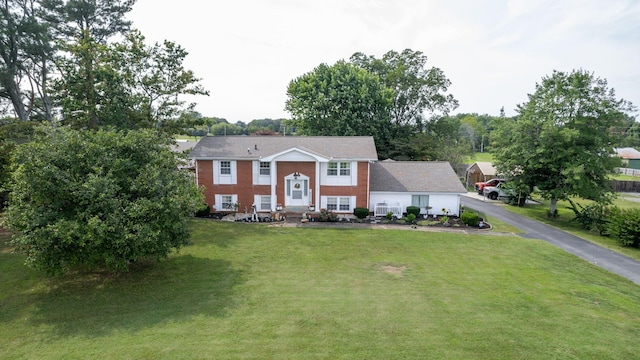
{"x": 203, "y": 211}
{"x": 625, "y": 226}
{"x": 591, "y": 217}
{"x": 327, "y": 216}
{"x": 411, "y": 217}
{"x": 361, "y": 212}
{"x": 415, "y": 210}
{"x": 470, "y": 218}
{"x": 390, "y": 215}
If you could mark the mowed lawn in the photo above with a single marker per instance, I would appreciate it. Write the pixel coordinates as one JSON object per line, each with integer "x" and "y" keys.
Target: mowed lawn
{"x": 253, "y": 291}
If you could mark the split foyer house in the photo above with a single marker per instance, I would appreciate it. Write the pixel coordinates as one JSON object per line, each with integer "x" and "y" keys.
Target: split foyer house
{"x": 337, "y": 173}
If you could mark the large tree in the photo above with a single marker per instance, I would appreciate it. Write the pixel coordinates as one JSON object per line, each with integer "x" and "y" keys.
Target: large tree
{"x": 562, "y": 139}
{"x": 26, "y": 51}
{"x": 419, "y": 92}
{"x": 341, "y": 99}
{"x": 98, "y": 198}
{"x": 132, "y": 85}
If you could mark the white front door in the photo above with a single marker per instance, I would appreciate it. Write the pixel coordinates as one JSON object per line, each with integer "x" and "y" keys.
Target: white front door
{"x": 297, "y": 192}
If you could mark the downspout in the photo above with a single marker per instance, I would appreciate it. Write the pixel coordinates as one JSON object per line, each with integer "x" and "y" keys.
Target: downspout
{"x": 368, "y": 180}
{"x": 316, "y": 201}
{"x": 274, "y": 181}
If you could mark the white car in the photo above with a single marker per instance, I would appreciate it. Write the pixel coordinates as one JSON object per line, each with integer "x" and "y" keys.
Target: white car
{"x": 495, "y": 192}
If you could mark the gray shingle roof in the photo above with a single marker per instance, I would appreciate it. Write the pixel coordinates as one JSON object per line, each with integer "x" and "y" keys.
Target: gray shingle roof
{"x": 254, "y": 147}
{"x": 415, "y": 176}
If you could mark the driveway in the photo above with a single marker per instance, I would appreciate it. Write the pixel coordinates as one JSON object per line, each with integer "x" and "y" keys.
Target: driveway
{"x": 595, "y": 254}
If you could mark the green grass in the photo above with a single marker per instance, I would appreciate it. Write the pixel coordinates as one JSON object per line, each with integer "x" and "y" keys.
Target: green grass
{"x": 564, "y": 221}
{"x": 248, "y": 291}
{"x": 622, "y": 177}
{"x": 481, "y": 156}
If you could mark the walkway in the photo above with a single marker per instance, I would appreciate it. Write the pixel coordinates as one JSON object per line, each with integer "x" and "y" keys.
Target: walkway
{"x": 595, "y": 254}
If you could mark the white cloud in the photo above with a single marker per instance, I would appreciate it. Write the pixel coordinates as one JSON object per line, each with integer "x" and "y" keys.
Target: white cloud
{"x": 247, "y": 51}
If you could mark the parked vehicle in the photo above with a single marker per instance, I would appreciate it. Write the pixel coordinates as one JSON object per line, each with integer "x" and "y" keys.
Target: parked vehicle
{"x": 493, "y": 182}
{"x": 495, "y": 192}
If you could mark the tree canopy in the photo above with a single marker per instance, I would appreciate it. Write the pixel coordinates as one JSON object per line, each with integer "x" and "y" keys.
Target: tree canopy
{"x": 59, "y": 61}
{"x": 390, "y": 99}
{"x": 419, "y": 92}
{"x": 98, "y": 198}
{"x": 562, "y": 140}
{"x": 341, "y": 99}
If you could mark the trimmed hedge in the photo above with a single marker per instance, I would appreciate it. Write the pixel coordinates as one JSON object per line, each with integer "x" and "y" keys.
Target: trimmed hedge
{"x": 415, "y": 210}
{"x": 361, "y": 212}
{"x": 470, "y": 218}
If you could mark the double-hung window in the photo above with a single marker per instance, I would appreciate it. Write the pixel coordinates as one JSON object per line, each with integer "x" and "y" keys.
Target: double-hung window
{"x": 332, "y": 203}
{"x": 226, "y": 202}
{"x": 345, "y": 204}
{"x": 265, "y": 168}
{"x": 332, "y": 169}
{"x": 225, "y": 167}
{"x": 345, "y": 169}
{"x": 265, "y": 203}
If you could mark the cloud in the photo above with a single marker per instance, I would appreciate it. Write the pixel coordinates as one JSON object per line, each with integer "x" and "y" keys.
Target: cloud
{"x": 247, "y": 51}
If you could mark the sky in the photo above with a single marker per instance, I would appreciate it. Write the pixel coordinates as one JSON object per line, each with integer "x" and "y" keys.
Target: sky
{"x": 246, "y": 52}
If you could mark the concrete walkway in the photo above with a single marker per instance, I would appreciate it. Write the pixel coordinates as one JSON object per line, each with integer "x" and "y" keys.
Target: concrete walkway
{"x": 595, "y": 254}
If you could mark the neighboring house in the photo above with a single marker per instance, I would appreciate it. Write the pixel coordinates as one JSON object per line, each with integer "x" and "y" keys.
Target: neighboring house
{"x": 630, "y": 157}
{"x": 398, "y": 184}
{"x": 185, "y": 146}
{"x": 312, "y": 173}
{"x": 480, "y": 171}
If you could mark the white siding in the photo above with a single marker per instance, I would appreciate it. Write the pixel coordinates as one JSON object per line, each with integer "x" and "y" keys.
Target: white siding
{"x": 337, "y": 180}
{"x": 450, "y": 202}
{"x": 219, "y": 179}
{"x": 257, "y": 178}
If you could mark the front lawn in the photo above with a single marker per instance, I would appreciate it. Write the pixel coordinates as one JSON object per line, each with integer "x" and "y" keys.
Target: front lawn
{"x": 252, "y": 291}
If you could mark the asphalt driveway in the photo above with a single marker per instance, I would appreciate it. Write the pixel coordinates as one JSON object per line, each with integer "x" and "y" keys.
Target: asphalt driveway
{"x": 595, "y": 254}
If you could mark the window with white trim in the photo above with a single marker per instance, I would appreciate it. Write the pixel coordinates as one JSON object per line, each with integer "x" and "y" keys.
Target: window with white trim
{"x": 332, "y": 203}
{"x": 265, "y": 168}
{"x": 225, "y": 167}
{"x": 345, "y": 204}
{"x": 226, "y": 202}
{"x": 332, "y": 169}
{"x": 345, "y": 169}
{"x": 265, "y": 203}
{"x": 339, "y": 168}
{"x": 338, "y": 203}
{"x": 421, "y": 201}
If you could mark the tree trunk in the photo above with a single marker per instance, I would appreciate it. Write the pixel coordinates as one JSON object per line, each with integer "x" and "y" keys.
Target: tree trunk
{"x": 553, "y": 207}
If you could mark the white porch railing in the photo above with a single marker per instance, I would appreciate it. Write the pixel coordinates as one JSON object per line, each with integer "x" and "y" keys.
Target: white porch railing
{"x": 382, "y": 209}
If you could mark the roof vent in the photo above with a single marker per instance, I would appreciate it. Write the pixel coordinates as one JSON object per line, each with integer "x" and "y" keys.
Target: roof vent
{"x": 256, "y": 146}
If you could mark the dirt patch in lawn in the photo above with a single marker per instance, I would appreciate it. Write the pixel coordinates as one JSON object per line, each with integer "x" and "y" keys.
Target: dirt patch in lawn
{"x": 394, "y": 270}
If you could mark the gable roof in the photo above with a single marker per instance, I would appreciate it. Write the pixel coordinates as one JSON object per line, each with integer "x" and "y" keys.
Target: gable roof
{"x": 256, "y": 147}
{"x": 628, "y": 153}
{"x": 415, "y": 176}
{"x": 181, "y": 145}
{"x": 486, "y": 168}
